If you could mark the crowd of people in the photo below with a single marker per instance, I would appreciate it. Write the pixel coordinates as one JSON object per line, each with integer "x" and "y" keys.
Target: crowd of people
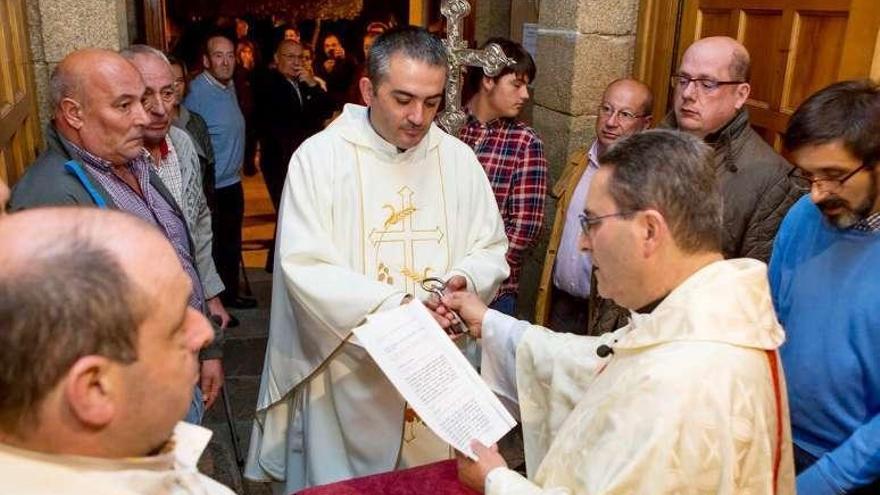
{"x": 667, "y": 357}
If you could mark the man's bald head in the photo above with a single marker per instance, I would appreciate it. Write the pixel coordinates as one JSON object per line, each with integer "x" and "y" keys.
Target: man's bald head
{"x": 711, "y": 85}
{"x": 66, "y": 293}
{"x": 73, "y": 75}
{"x": 729, "y": 50}
{"x": 625, "y": 109}
{"x": 97, "y": 100}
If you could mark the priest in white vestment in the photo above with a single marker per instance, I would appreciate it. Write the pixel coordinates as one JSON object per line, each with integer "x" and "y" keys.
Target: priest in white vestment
{"x": 372, "y": 205}
{"x": 689, "y": 397}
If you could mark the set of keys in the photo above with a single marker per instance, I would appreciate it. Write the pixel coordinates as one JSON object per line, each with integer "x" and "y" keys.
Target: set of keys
{"x": 437, "y": 287}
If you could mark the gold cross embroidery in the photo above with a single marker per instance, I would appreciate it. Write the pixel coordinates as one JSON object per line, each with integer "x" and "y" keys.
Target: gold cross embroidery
{"x": 398, "y": 228}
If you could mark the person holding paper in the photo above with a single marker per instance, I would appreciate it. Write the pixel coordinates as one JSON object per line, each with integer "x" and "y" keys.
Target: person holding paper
{"x": 372, "y": 205}
{"x": 689, "y": 396}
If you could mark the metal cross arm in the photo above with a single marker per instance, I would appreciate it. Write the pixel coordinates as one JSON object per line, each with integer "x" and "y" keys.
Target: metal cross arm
{"x": 492, "y": 59}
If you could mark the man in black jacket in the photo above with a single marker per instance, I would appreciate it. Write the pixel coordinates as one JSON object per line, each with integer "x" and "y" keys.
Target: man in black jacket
{"x": 291, "y": 107}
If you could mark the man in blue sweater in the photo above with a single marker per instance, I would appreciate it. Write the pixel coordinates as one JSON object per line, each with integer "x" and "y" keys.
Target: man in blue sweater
{"x": 823, "y": 274}
{"x": 212, "y": 95}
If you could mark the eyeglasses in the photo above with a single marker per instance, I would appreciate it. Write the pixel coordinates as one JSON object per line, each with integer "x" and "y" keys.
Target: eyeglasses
{"x": 588, "y": 222}
{"x": 701, "y": 84}
{"x": 805, "y": 181}
{"x": 165, "y": 94}
{"x": 607, "y": 111}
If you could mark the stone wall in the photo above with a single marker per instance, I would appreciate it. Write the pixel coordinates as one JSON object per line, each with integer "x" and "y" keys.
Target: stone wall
{"x": 582, "y": 46}
{"x": 57, "y": 27}
{"x": 492, "y": 18}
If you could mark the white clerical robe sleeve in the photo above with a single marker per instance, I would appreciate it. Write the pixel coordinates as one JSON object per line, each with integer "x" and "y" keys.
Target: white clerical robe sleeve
{"x": 501, "y": 335}
{"x": 503, "y": 481}
{"x": 553, "y": 370}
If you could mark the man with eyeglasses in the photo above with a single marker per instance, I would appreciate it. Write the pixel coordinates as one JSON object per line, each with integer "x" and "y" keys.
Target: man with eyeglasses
{"x": 826, "y": 291}
{"x": 104, "y": 116}
{"x": 175, "y": 161}
{"x": 291, "y": 107}
{"x": 565, "y": 293}
{"x": 686, "y": 398}
{"x": 710, "y": 88}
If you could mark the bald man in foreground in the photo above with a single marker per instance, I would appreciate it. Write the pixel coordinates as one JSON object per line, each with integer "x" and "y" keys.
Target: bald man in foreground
{"x": 95, "y": 157}
{"x": 98, "y": 357}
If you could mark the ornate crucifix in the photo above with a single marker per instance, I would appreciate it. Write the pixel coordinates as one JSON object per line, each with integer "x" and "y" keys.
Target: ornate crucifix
{"x": 491, "y": 59}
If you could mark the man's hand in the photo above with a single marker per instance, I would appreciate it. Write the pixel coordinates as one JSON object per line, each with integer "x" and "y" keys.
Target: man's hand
{"x": 215, "y": 307}
{"x": 456, "y": 283}
{"x": 211, "y": 380}
{"x": 306, "y": 76}
{"x": 329, "y": 64}
{"x": 473, "y": 474}
{"x": 469, "y": 307}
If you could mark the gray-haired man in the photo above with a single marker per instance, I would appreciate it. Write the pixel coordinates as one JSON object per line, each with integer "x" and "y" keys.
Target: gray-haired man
{"x": 373, "y": 204}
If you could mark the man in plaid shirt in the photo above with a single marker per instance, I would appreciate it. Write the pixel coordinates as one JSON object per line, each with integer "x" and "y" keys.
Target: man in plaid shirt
{"x": 512, "y": 155}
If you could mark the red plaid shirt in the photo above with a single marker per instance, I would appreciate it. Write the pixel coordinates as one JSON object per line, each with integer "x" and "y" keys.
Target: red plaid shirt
{"x": 513, "y": 156}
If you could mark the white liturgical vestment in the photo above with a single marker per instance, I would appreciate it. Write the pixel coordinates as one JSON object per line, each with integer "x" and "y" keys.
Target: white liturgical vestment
{"x": 172, "y": 471}
{"x": 360, "y": 225}
{"x": 686, "y": 404}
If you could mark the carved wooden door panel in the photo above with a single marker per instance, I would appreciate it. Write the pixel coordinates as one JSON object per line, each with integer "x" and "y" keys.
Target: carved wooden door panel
{"x": 796, "y": 46}
{"x": 19, "y": 121}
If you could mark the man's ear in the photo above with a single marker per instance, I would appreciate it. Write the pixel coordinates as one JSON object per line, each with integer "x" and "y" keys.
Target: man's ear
{"x": 486, "y": 83}
{"x": 90, "y": 391}
{"x": 366, "y": 87}
{"x": 206, "y": 62}
{"x": 742, "y": 94}
{"x": 654, "y": 231}
{"x": 71, "y": 112}
{"x": 649, "y": 121}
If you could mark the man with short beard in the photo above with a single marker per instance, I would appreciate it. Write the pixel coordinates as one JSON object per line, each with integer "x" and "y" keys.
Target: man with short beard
{"x": 826, "y": 291}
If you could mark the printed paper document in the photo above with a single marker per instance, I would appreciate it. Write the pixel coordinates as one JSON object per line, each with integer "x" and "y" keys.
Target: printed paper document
{"x": 434, "y": 377}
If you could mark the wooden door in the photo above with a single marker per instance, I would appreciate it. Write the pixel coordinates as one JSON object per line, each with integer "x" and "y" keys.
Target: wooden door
{"x": 19, "y": 120}
{"x": 796, "y": 46}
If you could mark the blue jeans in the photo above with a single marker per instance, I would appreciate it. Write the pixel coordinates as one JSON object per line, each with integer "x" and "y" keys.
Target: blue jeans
{"x": 196, "y": 408}
{"x": 505, "y": 304}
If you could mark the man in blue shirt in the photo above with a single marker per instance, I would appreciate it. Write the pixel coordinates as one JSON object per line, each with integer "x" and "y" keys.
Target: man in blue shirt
{"x": 212, "y": 95}
{"x": 823, "y": 274}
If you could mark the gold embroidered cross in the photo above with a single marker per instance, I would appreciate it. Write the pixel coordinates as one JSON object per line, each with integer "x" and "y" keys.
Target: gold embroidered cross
{"x": 398, "y": 228}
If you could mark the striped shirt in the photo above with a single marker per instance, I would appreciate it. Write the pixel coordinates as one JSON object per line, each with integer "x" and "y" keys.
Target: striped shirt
{"x": 152, "y": 207}
{"x": 512, "y": 155}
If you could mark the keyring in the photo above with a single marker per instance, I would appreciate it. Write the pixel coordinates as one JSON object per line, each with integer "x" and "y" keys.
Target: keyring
{"x": 437, "y": 286}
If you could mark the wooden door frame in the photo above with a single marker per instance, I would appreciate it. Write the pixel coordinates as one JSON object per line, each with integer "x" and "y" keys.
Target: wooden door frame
{"x": 657, "y": 33}
{"x": 20, "y": 114}
{"x": 154, "y": 23}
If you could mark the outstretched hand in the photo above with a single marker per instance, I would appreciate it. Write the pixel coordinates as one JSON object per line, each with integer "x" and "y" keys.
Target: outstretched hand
{"x": 469, "y": 307}
{"x": 473, "y": 473}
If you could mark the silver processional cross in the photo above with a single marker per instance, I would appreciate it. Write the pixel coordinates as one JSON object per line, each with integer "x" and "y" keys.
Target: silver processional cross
{"x": 491, "y": 59}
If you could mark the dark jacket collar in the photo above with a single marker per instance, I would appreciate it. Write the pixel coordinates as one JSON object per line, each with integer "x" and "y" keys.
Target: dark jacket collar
{"x": 727, "y": 141}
